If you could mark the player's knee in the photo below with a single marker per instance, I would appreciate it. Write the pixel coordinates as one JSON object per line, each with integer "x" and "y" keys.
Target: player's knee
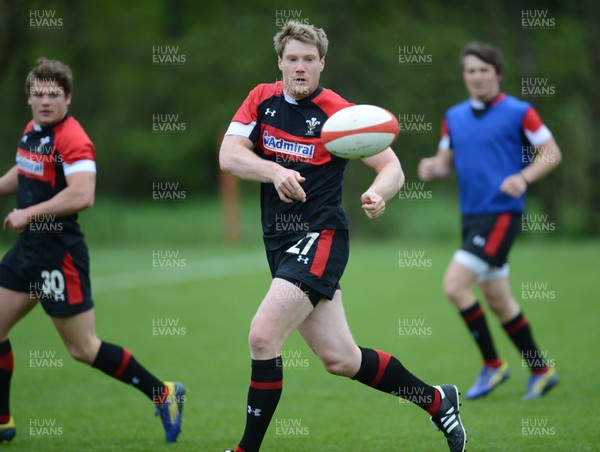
{"x": 453, "y": 290}
{"x": 261, "y": 342}
{"x": 498, "y": 302}
{"x": 492, "y": 299}
{"x": 84, "y": 353}
{"x": 339, "y": 364}
{"x": 79, "y": 354}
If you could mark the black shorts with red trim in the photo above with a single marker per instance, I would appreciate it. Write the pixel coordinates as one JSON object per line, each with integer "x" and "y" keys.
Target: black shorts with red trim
{"x": 58, "y": 278}
{"x": 315, "y": 263}
{"x": 490, "y": 236}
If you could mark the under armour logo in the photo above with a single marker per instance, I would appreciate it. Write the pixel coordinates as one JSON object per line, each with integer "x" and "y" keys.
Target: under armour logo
{"x": 255, "y": 411}
{"x": 303, "y": 259}
{"x": 268, "y": 111}
{"x": 478, "y": 241}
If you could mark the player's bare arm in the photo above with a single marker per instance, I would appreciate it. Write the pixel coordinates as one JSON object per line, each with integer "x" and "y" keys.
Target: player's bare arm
{"x": 436, "y": 167}
{"x": 77, "y": 196}
{"x": 236, "y": 157}
{"x": 548, "y": 157}
{"x": 387, "y": 183}
{"x": 9, "y": 182}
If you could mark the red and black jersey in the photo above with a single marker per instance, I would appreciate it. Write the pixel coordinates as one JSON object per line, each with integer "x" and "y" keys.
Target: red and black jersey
{"x": 287, "y": 131}
{"x": 45, "y": 156}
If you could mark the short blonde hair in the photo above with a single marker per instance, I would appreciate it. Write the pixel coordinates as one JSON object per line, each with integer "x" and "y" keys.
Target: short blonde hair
{"x": 306, "y": 33}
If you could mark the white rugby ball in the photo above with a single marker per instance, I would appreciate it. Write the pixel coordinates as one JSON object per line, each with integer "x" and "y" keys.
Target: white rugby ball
{"x": 359, "y": 131}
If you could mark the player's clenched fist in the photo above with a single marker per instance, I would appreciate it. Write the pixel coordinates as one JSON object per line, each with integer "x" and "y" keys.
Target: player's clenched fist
{"x": 514, "y": 185}
{"x": 373, "y": 204}
{"x": 287, "y": 183}
{"x": 17, "y": 220}
{"x": 427, "y": 168}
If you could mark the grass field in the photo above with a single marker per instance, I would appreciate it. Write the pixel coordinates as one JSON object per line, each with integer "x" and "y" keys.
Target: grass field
{"x": 206, "y": 349}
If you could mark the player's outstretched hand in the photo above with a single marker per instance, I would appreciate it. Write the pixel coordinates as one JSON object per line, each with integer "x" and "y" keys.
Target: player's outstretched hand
{"x": 514, "y": 185}
{"x": 373, "y": 204}
{"x": 287, "y": 183}
{"x": 17, "y": 220}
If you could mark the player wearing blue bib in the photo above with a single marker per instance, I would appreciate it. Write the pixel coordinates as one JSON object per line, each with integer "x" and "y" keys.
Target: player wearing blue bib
{"x": 498, "y": 145}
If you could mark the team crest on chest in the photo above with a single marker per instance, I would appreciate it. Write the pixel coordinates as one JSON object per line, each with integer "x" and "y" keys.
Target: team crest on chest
{"x": 312, "y": 124}
{"x": 43, "y": 147}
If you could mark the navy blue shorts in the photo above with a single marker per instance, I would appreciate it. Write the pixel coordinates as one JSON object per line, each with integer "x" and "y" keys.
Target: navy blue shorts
{"x": 315, "y": 263}
{"x": 58, "y": 279}
{"x": 490, "y": 236}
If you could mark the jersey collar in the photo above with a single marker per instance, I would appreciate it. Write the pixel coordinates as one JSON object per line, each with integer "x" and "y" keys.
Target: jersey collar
{"x": 39, "y": 128}
{"x": 477, "y": 104}
{"x": 479, "y": 107}
{"x": 290, "y": 100}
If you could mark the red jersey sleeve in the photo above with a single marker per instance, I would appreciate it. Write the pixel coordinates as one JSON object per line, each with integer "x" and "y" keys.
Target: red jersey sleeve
{"x": 444, "y": 136}
{"x": 444, "y": 128}
{"x": 247, "y": 113}
{"x": 532, "y": 121}
{"x": 72, "y": 143}
{"x": 533, "y": 127}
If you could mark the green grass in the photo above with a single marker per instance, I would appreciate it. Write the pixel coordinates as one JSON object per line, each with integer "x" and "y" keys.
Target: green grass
{"x": 97, "y": 413}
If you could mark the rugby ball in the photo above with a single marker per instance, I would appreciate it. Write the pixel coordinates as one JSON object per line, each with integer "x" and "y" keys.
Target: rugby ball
{"x": 359, "y": 131}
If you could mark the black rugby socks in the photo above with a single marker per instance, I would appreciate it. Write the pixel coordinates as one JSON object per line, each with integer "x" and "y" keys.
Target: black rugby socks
{"x": 519, "y": 331}
{"x": 6, "y": 370}
{"x": 266, "y": 385}
{"x": 382, "y": 371}
{"x": 474, "y": 317}
{"x": 119, "y": 363}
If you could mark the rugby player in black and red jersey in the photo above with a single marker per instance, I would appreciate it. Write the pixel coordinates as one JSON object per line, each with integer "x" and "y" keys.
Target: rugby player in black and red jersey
{"x": 54, "y": 179}
{"x": 274, "y": 139}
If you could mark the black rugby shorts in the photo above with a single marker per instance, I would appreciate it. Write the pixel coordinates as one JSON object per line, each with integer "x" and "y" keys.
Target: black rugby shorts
{"x": 315, "y": 263}
{"x": 58, "y": 278}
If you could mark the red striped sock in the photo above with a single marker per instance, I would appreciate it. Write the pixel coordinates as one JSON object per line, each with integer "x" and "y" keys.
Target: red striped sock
{"x": 519, "y": 331}
{"x": 119, "y": 363}
{"x": 266, "y": 385}
{"x": 494, "y": 363}
{"x": 385, "y": 373}
{"x": 474, "y": 317}
{"x": 7, "y": 364}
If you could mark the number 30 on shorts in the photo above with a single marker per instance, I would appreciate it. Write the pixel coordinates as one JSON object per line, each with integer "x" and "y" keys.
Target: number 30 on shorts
{"x": 312, "y": 238}
{"x": 54, "y": 283}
